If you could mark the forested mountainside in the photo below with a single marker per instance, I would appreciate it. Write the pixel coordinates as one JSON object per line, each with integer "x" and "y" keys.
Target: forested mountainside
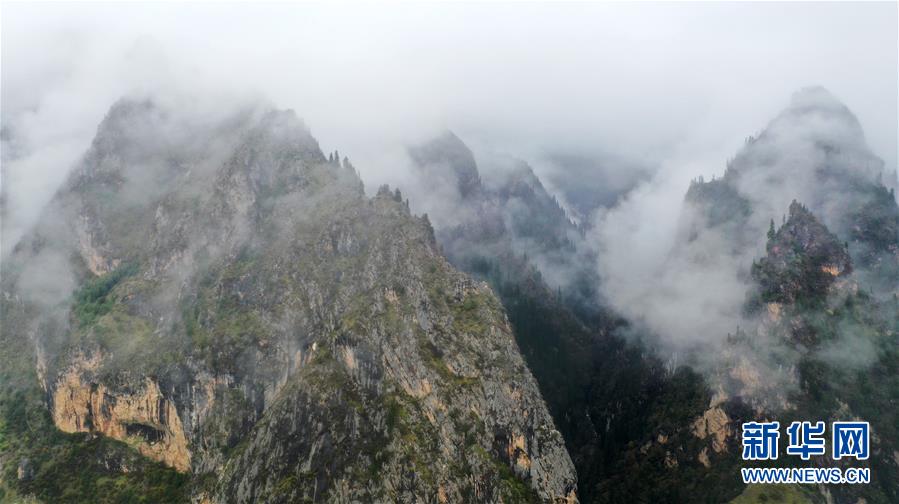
{"x": 641, "y": 429}
{"x": 212, "y": 310}
{"x": 621, "y": 408}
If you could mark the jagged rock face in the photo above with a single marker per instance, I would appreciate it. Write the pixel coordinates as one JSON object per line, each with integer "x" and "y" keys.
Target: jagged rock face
{"x": 804, "y": 265}
{"x": 714, "y": 424}
{"x": 143, "y": 416}
{"x": 247, "y": 314}
{"x": 804, "y": 259}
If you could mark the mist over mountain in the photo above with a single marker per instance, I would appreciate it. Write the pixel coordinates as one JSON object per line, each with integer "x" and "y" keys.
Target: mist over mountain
{"x": 688, "y": 281}
{"x": 493, "y": 208}
{"x": 634, "y": 84}
{"x": 587, "y": 183}
{"x": 772, "y": 329}
{"x": 233, "y": 242}
{"x": 444, "y": 252}
{"x": 227, "y": 271}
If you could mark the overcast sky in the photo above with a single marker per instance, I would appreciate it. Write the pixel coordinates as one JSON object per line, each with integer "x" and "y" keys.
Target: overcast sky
{"x": 678, "y": 85}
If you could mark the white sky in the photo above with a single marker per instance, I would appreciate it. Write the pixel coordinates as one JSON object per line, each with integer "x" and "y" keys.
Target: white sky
{"x": 652, "y": 81}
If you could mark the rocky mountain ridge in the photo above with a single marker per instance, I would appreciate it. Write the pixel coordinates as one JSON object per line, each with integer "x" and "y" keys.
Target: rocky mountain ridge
{"x": 244, "y": 313}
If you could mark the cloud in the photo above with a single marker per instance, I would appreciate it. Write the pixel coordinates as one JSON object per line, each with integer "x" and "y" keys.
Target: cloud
{"x": 637, "y": 80}
{"x": 621, "y": 102}
{"x": 685, "y": 278}
{"x": 689, "y": 292}
{"x": 672, "y": 87}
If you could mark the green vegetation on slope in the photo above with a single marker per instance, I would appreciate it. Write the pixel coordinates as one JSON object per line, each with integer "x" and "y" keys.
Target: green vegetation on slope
{"x": 92, "y": 300}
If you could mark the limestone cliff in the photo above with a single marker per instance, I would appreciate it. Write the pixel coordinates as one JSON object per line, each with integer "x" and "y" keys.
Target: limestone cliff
{"x": 143, "y": 417}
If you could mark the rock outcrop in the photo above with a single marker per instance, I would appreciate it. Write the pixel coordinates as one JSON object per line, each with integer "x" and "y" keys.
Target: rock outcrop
{"x": 143, "y": 417}
{"x": 804, "y": 258}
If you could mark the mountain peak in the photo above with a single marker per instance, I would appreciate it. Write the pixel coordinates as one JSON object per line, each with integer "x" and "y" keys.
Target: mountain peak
{"x": 447, "y": 160}
{"x": 816, "y": 97}
{"x": 816, "y": 115}
{"x": 804, "y": 258}
{"x": 229, "y": 246}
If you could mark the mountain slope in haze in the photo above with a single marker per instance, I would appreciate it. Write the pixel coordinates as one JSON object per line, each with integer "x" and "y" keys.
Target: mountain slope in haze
{"x": 814, "y": 152}
{"x": 839, "y": 340}
{"x": 642, "y": 429}
{"x": 590, "y": 182}
{"x": 819, "y": 329}
{"x": 811, "y": 302}
{"x": 225, "y": 300}
{"x": 612, "y": 397}
{"x": 501, "y": 211}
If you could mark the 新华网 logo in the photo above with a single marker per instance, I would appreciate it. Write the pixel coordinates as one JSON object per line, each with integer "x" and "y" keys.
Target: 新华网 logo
{"x": 805, "y": 440}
